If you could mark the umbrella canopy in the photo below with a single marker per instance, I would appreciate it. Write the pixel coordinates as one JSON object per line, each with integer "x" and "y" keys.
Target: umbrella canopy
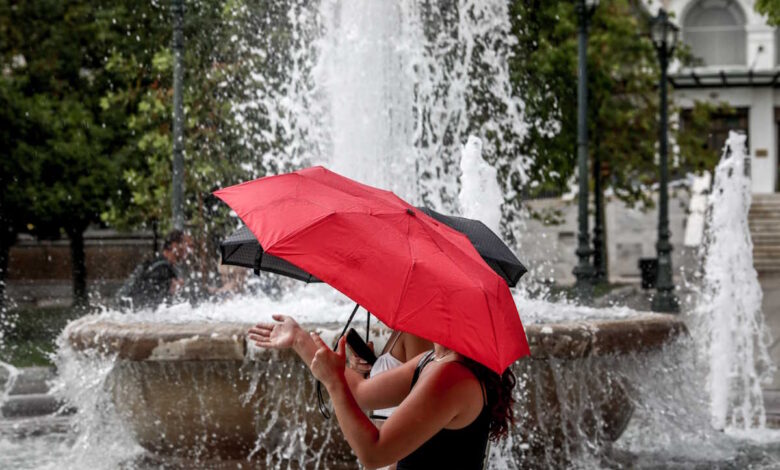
{"x": 241, "y": 248}
{"x": 489, "y": 246}
{"x": 414, "y": 273}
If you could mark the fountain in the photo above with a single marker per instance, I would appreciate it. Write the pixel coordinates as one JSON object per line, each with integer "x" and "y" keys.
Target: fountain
{"x": 197, "y": 390}
{"x": 383, "y": 92}
{"x": 731, "y": 302}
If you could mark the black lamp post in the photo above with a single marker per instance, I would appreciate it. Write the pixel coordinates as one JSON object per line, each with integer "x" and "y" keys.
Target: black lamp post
{"x": 177, "y": 173}
{"x": 584, "y": 269}
{"x": 665, "y": 36}
{"x": 599, "y": 242}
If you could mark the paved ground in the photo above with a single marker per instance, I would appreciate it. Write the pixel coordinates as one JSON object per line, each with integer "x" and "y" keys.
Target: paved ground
{"x": 771, "y": 307}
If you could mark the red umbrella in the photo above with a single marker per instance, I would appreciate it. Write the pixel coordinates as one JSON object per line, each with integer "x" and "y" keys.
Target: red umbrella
{"x": 414, "y": 273}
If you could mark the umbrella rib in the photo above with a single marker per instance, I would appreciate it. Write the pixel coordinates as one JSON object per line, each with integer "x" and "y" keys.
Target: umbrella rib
{"x": 387, "y": 204}
{"x": 492, "y": 324}
{"x": 408, "y": 273}
{"x": 233, "y": 252}
{"x": 436, "y": 242}
{"x": 299, "y": 230}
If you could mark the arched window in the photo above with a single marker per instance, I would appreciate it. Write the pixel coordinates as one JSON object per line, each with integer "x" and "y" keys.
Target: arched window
{"x": 715, "y": 30}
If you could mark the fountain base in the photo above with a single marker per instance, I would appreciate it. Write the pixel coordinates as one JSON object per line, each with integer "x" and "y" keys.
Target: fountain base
{"x": 195, "y": 391}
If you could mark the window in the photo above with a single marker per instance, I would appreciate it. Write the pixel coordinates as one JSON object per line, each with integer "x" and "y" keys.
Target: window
{"x": 715, "y": 31}
{"x": 713, "y": 135}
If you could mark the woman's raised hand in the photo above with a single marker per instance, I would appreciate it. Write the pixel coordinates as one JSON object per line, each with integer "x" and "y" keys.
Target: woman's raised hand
{"x": 327, "y": 365}
{"x": 279, "y": 335}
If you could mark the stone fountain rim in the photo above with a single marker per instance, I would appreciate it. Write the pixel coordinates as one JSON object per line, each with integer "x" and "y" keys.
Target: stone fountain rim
{"x": 210, "y": 341}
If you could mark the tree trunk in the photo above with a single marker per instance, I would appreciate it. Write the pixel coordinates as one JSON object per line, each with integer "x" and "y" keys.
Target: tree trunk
{"x": 155, "y": 238}
{"x": 6, "y": 240}
{"x": 78, "y": 266}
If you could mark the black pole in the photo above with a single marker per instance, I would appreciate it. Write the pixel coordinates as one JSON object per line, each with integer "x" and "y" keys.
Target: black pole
{"x": 664, "y": 299}
{"x": 584, "y": 270}
{"x": 177, "y": 179}
{"x": 599, "y": 244}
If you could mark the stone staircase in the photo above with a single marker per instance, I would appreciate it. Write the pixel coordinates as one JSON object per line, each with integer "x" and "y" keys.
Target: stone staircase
{"x": 764, "y": 220}
{"x": 29, "y": 396}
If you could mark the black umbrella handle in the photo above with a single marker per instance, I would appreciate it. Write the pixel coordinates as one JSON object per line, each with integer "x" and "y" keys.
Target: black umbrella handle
{"x": 351, "y": 316}
{"x": 368, "y": 324}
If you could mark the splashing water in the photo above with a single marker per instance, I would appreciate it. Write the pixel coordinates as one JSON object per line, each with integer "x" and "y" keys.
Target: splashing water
{"x": 728, "y": 318}
{"x": 8, "y": 373}
{"x": 386, "y": 92}
{"x": 480, "y": 196}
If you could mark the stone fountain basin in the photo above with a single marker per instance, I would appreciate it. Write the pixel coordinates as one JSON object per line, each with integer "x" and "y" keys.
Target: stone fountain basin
{"x": 186, "y": 389}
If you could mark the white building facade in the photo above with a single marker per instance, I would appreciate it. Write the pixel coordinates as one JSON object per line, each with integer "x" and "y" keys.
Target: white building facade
{"x": 738, "y": 62}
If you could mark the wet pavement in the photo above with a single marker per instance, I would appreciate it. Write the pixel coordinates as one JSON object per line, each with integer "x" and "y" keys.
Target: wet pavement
{"x": 770, "y": 284}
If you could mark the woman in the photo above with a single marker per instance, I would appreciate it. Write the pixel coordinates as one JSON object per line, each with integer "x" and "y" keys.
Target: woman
{"x": 448, "y": 405}
{"x": 400, "y": 348}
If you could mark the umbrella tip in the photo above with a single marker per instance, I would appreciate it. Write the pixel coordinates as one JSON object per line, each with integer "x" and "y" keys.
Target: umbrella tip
{"x": 409, "y": 211}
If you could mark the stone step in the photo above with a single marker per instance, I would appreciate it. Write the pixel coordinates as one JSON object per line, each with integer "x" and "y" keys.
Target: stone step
{"x": 34, "y": 404}
{"x": 767, "y": 269}
{"x": 764, "y": 227}
{"x": 759, "y": 263}
{"x": 32, "y": 380}
{"x": 757, "y": 246}
{"x": 763, "y": 217}
{"x": 34, "y": 426}
{"x": 766, "y": 197}
{"x": 766, "y": 247}
{"x": 765, "y": 260}
{"x": 772, "y": 407}
{"x": 763, "y": 213}
{"x": 764, "y": 223}
{"x": 766, "y": 238}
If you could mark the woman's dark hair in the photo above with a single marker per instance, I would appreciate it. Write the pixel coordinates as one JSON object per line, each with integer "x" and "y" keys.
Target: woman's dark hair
{"x": 498, "y": 389}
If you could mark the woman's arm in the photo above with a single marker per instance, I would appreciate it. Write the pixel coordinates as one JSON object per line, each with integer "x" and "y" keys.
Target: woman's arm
{"x": 385, "y": 390}
{"x": 440, "y": 395}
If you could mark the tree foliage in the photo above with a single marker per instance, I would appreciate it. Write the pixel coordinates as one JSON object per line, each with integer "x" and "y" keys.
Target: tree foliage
{"x": 65, "y": 151}
{"x": 623, "y": 75}
{"x": 86, "y": 104}
{"x": 770, "y": 8}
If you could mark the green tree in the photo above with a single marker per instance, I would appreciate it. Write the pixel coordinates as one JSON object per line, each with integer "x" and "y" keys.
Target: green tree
{"x": 770, "y": 8}
{"x": 14, "y": 173}
{"x": 622, "y": 118}
{"x": 65, "y": 151}
{"x": 213, "y": 154}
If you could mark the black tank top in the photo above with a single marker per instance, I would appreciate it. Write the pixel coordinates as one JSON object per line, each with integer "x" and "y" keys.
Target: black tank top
{"x": 451, "y": 448}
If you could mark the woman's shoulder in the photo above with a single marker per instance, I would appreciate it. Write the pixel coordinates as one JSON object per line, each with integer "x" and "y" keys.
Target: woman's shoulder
{"x": 451, "y": 374}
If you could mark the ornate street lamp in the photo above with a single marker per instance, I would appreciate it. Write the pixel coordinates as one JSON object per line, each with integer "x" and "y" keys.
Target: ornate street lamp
{"x": 177, "y": 173}
{"x": 584, "y": 270}
{"x": 665, "y": 35}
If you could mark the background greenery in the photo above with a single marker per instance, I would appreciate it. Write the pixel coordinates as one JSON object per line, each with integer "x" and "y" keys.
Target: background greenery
{"x": 86, "y": 105}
